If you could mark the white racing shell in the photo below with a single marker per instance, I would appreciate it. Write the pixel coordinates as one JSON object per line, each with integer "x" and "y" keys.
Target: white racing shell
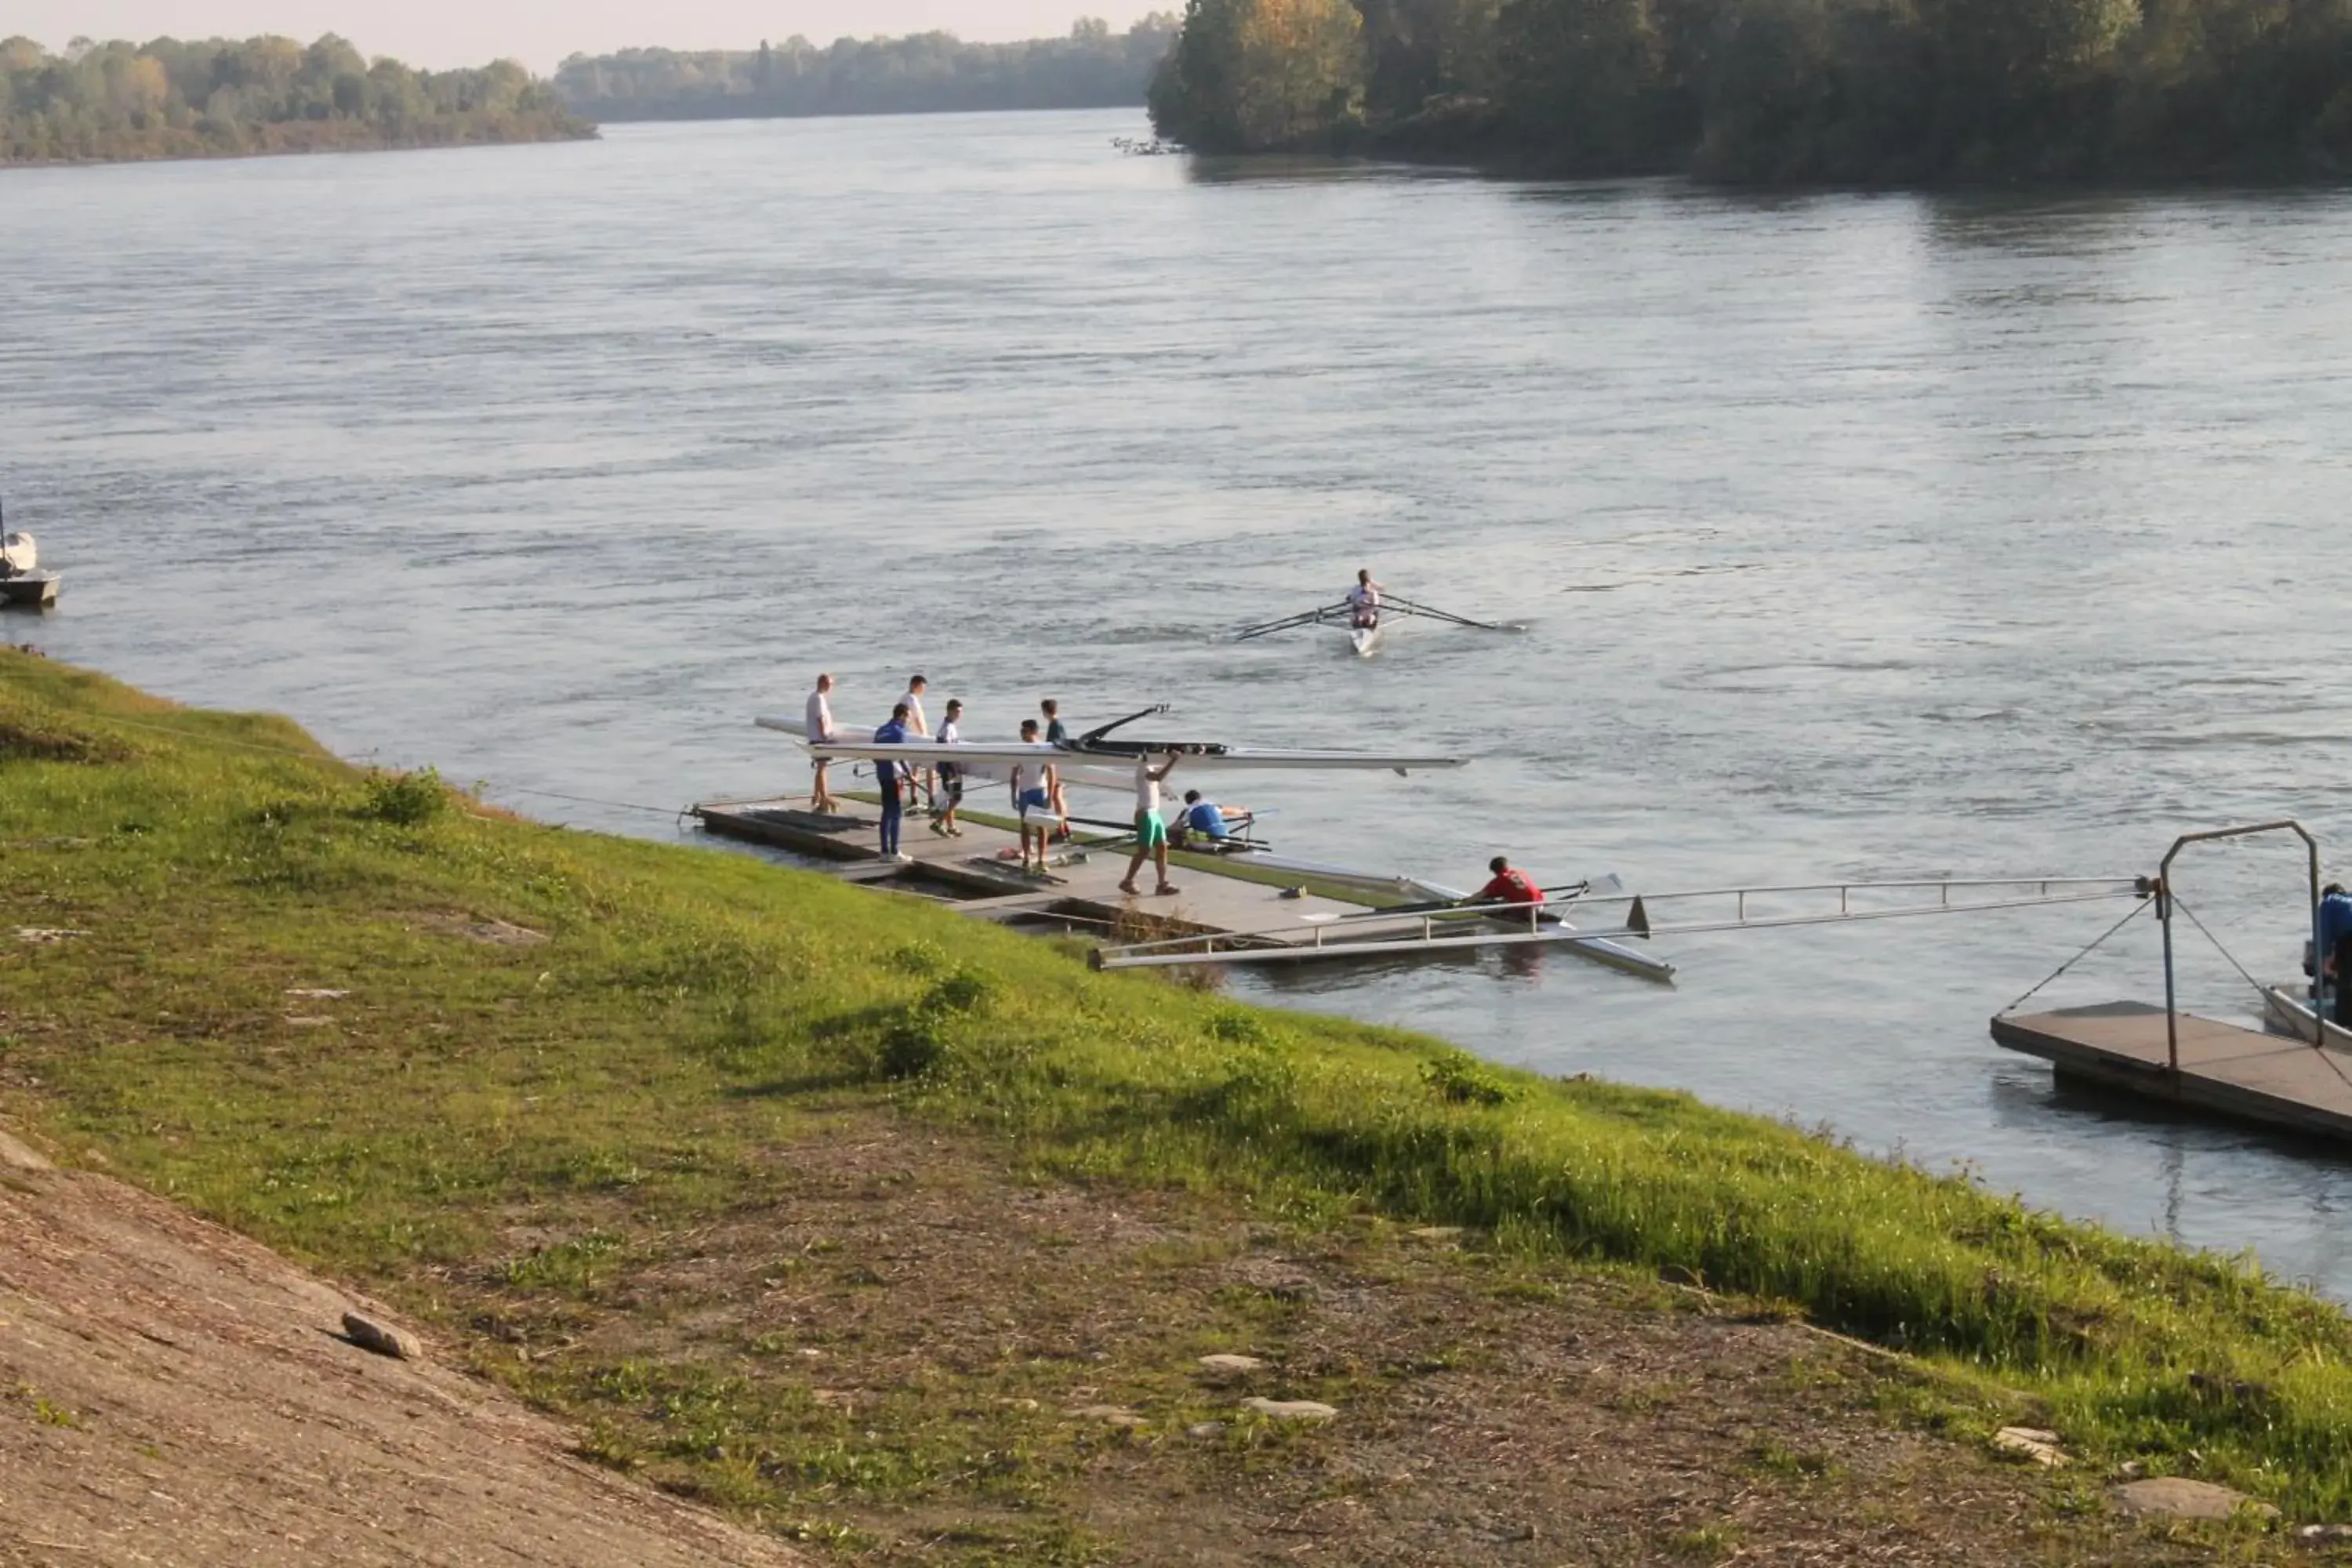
{"x": 1119, "y": 756}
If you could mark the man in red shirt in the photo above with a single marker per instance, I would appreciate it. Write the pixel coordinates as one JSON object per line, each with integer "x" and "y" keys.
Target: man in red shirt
{"x": 1509, "y": 887}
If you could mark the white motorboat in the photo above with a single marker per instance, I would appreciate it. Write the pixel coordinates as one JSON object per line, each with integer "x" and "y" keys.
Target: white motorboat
{"x": 21, "y": 580}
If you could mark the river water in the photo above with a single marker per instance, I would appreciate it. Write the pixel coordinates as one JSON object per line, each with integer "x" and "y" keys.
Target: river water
{"x": 1855, "y": 536}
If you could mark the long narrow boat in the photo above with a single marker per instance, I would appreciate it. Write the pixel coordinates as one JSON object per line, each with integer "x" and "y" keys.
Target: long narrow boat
{"x": 2287, "y": 1010}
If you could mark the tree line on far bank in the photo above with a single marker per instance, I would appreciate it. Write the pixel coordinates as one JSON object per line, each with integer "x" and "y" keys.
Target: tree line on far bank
{"x": 1778, "y": 90}
{"x": 1092, "y": 67}
{"x": 217, "y": 96}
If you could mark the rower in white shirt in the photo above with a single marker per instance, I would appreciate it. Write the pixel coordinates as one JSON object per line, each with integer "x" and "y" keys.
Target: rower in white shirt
{"x": 1150, "y": 831}
{"x": 917, "y": 725}
{"x": 820, "y": 727}
{"x": 943, "y": 820}
{"x": 1364, "y": 599}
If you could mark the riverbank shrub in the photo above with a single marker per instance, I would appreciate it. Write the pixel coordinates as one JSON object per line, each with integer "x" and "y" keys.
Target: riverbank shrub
{"x": 496, "y": 1013}
{"x": 219, "y": 96}
{"x": 922, "y": 73}
{"x": 1859, "y": 92}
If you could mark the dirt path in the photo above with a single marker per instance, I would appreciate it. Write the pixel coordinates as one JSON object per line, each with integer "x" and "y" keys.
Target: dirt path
{"x": 174, "y": 1394}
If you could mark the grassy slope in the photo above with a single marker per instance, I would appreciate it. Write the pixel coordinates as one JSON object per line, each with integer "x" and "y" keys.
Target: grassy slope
{"x": 687, "y": 1009}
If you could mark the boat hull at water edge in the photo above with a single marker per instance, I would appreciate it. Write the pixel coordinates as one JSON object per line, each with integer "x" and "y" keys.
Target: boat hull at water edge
{"x": 32, "y": 590}
{"x": 2286, "y": 1010}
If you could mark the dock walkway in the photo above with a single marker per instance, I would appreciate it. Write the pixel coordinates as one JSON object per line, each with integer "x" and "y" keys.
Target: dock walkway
{"x": 979, "y": 873}
{"x": 2224, "y": 1068}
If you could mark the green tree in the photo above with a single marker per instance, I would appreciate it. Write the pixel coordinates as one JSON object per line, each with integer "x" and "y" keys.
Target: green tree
{"x": 1250, "y": 75}
{"x": 1584, "y": 76}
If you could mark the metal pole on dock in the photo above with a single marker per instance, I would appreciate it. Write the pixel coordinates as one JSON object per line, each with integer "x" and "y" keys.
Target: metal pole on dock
{"x": 2164, "y": 913}
{"x": 2318, "y": 958}
{"x": 2171, "y": 1010}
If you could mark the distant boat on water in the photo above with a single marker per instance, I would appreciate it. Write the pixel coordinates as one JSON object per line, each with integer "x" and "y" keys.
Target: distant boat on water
{"x": 21, "y": 580}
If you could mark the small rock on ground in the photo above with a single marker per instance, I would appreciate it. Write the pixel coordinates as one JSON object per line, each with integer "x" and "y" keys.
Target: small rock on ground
{"x": 1226, "y": 1363}
{"x": 1204, "y": 1430}
{"x": 1291, "y": 1409}
{"x": 2035, "y": 1444}
{"x": 19, "y": 1157}
{"x": 2177, "y": 1497}
{"x": 383, "y": 1339}
{"x": 1112, "y": 1414}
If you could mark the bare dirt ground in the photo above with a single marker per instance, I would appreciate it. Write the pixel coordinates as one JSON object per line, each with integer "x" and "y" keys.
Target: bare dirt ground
{"x": 904, "y": 1351}
{"x": 171, "y": 1393}
{"x": 1017, "y": 1367}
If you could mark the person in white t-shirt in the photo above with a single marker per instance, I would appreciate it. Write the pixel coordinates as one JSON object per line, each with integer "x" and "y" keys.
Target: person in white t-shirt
{"x": 1029, "y": 798}
{"x": 950, "y": 776}
{"x": 919, "y": 727}
{"x": 1150, "y": 833}
{"x": 1364, "y": 599}
{"x": 820, "y": 729}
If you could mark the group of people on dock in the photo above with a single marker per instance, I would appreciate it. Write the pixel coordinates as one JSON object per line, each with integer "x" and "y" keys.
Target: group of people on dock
{"x": 1037, "y": 794}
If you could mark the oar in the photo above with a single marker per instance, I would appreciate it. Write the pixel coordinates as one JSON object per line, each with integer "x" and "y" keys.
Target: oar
{"x": 1409, "y": 607}
{"x": 1304, "y": 618}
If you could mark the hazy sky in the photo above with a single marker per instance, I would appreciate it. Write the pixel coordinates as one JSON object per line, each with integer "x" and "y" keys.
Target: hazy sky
{"x": 540, "y": 32}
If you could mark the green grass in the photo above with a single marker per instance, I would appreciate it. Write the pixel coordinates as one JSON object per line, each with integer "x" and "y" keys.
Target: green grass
{"x": 687, "y": 1008}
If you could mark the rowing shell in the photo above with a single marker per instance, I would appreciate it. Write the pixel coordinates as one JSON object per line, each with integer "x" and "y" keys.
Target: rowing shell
{"x": 1364, "y": 639}
{"x": 1123, "y": 754}
{"x": 2287, "y": 1011}
{"x": 1094, "y": 774}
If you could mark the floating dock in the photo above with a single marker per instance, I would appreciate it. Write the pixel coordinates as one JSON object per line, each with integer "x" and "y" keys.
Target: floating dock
{"x": 979, "y": 874}
{"x": 2225, "y": 1068}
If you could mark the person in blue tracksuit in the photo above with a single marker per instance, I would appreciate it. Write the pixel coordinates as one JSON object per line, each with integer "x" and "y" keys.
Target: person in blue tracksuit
{"x": 887, "y": 776}
{"x": 2336, "y": 948}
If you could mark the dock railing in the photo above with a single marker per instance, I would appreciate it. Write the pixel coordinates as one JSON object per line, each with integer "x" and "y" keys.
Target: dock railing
{"x": 2165, "y": 901}
{"x": 1467, "y": 925}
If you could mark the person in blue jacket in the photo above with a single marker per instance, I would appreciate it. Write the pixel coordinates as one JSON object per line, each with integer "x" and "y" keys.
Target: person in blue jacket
{"x": 886, "y": 774}
{"x": 2336, "y": 948}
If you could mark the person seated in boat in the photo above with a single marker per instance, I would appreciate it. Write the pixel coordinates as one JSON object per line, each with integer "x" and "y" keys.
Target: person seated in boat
{"x": 1509, "y": 885}
{"x": 2336, "y": 949}
{"x": 1364, "y": 599}
{"x": 1205, "y": 819}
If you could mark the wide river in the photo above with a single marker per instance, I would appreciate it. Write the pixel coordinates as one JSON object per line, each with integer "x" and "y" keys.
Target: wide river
{"x": 1855, "y": 536}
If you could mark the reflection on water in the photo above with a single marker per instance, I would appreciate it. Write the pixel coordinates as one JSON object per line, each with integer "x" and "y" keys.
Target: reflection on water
{"x": 1857, "y": 535}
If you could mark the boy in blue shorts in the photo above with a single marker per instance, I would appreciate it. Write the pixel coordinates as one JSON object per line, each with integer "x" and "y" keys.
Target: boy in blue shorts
{"x": 1029, "y": 799}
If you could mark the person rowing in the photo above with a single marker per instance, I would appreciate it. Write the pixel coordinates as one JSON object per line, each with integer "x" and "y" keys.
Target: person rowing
{"x": 1508, "y": 886}
{"x": 1364, "y": 600}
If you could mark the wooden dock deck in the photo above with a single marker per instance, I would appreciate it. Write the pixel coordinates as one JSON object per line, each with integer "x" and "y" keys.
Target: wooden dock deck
{"x": 980, "y": 873}
{"x": 2227, "y": 1070}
